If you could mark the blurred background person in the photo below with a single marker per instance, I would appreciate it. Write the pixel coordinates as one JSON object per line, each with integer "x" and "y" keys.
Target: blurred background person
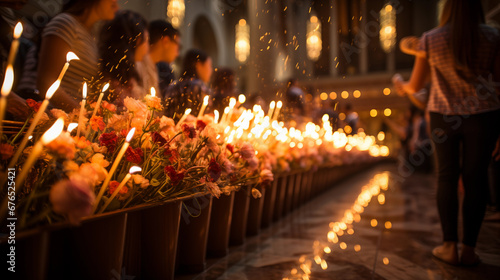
{"x": 123, "y": 42}
{"x": 224, "y": 87}
{"x": 192, "y": 86}
{"x": 72, "y": 31}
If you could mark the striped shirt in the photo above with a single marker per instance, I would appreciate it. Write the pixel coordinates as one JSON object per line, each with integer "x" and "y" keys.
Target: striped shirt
{"x": 452, "y": 91}
{"x": 83, "y": 44}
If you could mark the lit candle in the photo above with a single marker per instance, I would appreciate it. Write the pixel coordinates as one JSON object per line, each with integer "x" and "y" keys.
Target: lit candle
{"x": 113, "y": 167}
{"x": 69, "y": 56}
{"x": 99, "y": 100}
{"x": 153, "y": 91}
{"x": 82, "y": 109}
{"x": 271, "y": 109}
{"x": 242, "y": 98}
{"x": 52, "y": 133}
{"x": 50, "y": 92}
{"x": 71, "y": 127}
{"x": 183, "y": 118}
{"x": 216, "y": 116}
{"x": 18, "y": 30}
{"x": 132, "y": 170}
{"x": 6, "y": 88}
{"x": 224, "y": 115}
{"x": 232, "y": 103}
{"x": 205, "y": 103}
{"x": 279, "y": 104}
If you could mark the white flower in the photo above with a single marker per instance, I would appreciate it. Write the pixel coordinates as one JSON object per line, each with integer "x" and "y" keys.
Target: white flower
{"x": 213, "y": 188}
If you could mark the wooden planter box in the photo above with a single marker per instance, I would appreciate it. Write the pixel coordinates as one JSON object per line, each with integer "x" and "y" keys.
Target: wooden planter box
{"x": 220, "y": 225}
{"x": 255, "y": 212}
{"x": 240, "y": 216}
{"x": 269, "y": 202}
{"x": 279, "y": 205}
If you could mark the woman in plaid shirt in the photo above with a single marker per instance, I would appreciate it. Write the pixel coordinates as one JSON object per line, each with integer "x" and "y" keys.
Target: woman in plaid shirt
{"x": 462, "y": 59}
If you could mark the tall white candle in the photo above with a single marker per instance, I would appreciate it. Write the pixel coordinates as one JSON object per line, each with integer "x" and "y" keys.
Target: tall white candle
{"x": 6, "y": 88}
{"x": 99, "y": 100}
{"x": 183, "y": 118}
{"x": 82, "y": 109}
{"x": 216, "y": 116}
{"x": 113, "y": 167}
{"x": 279, "y": 104}
{"x": 271, "y": 109}
{"x": 50, "y": 92}
{"x": 232, "y": 103}
{"x": 132, "y": 170}
{"x": 203, "y": 106}
{"x": 18, "y": 30}
{"x": 69, "y": 56}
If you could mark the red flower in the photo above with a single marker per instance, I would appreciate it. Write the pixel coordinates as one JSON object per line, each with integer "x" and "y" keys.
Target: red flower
{"x": 108, "y": 140}
{"x": 134, "y": 155}
{"x": 230, "y": 148}
{"x": 157, "y": 138}
{"x": 33, "y": 104}
{"x": 200, "y": 125}
{"x": 113, "y": 185}
{"x": 170, "y": 154}
{"x": 175, "y": 177}
{"x": 214, "y": 170}
{"x": 188, "y": 130}
{"x": 97, "y": 123}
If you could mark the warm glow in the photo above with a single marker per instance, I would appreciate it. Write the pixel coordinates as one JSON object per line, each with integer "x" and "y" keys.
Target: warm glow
{"x": 52, "y": 89}
{"x": 344, "y": 94}
{"x": 356, "y": 94}
{"x": 313, "y": 38}
{"x": 384, "y": 151}
{"x": 152, "y": 91}
{"x": 324, "y": 266}
{"x": 72, "y": 126}
{"x": 381, "y": 199}
{"x": 188, "y": 111}
{"x": 130, "y": 134}
{"x": 381, "y": 136}
{"x": 333, "y": 95}
{"x": 373, "y": 223}
{"x": 373, "y": 113}
{"x": 175, "y": 12}
{"x": 134, "y": 169}
{"x": 388, "y": 225}
{"x": 232, "y": 102}
{"x": 84, "y": 90}
{"x": 205, "y": 100}
{"x": 71, "y": 56}
{"x": 8, "y": 80}
{"x": 387, "y": 34}
{"x": 242, "y": 41}
{"x": 323, "y": 96}
{"x": 279, "y": 104}
{"x": 53, "y": 132}
{"x": 386, "y": 261}
{"x": 387, "y": 91}
{"x": 343, "y": 245}
{"x": 387, "y": 112}
{"x": 357, "y": 247}
{"x": 272, "y": 105}
{"x": 106, "y": 86}
{"x": 18, "y": 30}
{"x": 242, "y": 98}
{"x": 342, "y": 116}
{"x": 327, "y": 250}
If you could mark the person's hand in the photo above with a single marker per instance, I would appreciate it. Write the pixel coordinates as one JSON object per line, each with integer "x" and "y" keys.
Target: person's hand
{"x": 496, "y": 151}
{"x": 17, "y": 107}
{"x": 397, "y": 81}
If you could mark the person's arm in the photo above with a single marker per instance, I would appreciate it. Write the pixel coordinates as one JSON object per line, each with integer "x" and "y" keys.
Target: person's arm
{"x": 51, "y": 60}
{"x": 419, "y": 77}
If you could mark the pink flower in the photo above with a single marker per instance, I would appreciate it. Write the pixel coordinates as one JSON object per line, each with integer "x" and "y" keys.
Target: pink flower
{"x": 214, "y": 170}
{"x": 253, "y": 164}
{"x": 97, "y": 123}
{"x": 266, "y": 176}
{"x": 108, "y": 106}
{"x": 247, "y": 151}
{"x": 73, "y": 198}
{"x": 6, "y": 151}
{"x": 227, "y": 166}
{"x": 63, "y": 146}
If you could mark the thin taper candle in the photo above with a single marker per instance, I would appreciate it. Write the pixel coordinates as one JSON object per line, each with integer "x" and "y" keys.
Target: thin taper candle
{"x": 82, "y": 109}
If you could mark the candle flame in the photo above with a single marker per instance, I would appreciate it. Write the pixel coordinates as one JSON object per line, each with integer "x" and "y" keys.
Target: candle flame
{"x": 18, "y": 30}
{"x": 72, "y": 126}
{"x": 205, "y": 100}
{"x": 84, "y": 91}
{"x": 71, "y": 56}
{"x": 279, "y": 104}
{"x": 53, "y": 132}
{"x": 130, "y": 134}
{"x": 134, "y": 169}
{"x": 216, "y": 116}
{"x": 242, "y": 98}
{"x": 272, "y": 105}
{"x": 105, "y": 87}
{"x": 52, "y": 89}
{"x": 153, "y": 91}
{"x": 232, "y": 102}
{"x": 187, "y": 112}
{"x": 8, "y": 81}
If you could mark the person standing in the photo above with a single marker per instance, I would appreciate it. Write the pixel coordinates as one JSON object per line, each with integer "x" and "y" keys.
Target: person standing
{"x": 462, "y": 58}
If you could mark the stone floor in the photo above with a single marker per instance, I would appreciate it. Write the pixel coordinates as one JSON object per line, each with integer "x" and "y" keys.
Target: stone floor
{"x": 401, "y": 251}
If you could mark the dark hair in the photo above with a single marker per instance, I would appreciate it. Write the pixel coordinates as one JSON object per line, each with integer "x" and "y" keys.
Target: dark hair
{"x": 78, "y": 7}
{"x": 464, "y": 18}
{"x": 192, "y": 57}
{"x": 118, "y": 41}
{"x": 159, "y": 29}
{"x": 224, "y": 81}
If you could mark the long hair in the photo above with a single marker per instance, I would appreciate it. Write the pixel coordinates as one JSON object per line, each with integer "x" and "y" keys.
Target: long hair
{"x": 119, "y": 39}
{"x": 464, "y": 18}
{"x": 192, "y": 57}
{"x": 78, "y": 7}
